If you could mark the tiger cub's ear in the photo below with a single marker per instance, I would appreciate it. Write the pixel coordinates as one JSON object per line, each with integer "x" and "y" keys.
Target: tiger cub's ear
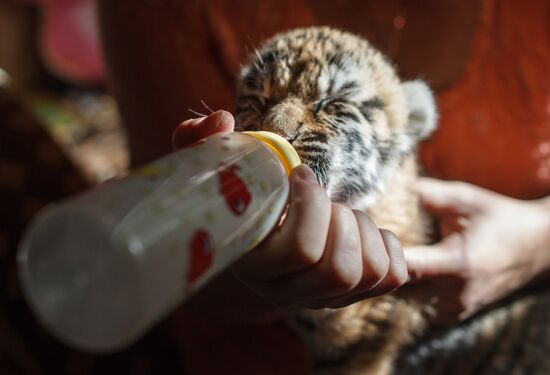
{"x": 422, "y": 109}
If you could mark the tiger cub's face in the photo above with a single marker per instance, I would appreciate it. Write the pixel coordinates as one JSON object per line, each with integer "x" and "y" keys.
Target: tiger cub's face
{"x": 339, "y": 102}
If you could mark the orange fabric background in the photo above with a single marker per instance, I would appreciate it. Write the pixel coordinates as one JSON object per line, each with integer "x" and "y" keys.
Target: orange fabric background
{"x": 495, "y": 121}
{"x": 164, "y": 57}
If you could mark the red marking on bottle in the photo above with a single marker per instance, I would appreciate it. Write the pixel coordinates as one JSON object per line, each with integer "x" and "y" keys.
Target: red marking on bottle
{"x": 234, "y": 190}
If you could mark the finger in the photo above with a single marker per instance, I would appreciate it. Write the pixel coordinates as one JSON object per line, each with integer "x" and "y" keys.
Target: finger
{"x": 397, "y": 271}
{"x": 338, "y": 272}
{"x": 192, "y": 130}
{"x": 217, "y": 122}
{"x": 184, "y": 135}
{"x": 300, "y": 242}
{"x": 443, "y": 295}
{"x": 395, "y": 276}
{"x": 430, "y": 261}
{"x": 451, "y": 197}
{"x": 376, "y": 261}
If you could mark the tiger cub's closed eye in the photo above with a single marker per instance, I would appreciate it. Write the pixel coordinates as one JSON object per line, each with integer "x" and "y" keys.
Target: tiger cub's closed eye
{"x": 324, "y": 102}
{"x": 319, "y": 104}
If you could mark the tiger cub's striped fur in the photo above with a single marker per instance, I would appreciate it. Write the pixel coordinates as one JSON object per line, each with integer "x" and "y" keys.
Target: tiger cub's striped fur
{"x": 342, "y": 106}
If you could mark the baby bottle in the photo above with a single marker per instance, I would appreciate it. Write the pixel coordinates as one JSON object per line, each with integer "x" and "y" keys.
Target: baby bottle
{"x": 101, "y": 268}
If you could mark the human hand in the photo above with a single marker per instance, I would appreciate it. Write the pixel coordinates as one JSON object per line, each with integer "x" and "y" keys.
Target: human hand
{"x": 491, "y": 246}
{"x": 323, "y": 254}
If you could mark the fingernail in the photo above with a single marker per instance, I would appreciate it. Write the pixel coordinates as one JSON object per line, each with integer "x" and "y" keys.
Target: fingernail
{"x": 305, "y": 173}
{"x": 219, "y": 117}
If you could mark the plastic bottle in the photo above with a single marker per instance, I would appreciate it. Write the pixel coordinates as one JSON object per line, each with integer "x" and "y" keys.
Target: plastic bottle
{"x": 101, "y": 268}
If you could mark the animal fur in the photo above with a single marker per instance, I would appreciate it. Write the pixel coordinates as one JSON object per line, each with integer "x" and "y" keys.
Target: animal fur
{"x": 341, "y": 104}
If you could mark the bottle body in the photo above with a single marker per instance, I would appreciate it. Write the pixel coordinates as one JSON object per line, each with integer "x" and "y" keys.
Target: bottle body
{"x": 103, "y": 267}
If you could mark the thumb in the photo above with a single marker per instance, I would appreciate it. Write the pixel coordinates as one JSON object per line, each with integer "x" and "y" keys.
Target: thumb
{"x": 443, "y": 198}
{"x": 191, "y": 131}
{"x": 430, "y": 261}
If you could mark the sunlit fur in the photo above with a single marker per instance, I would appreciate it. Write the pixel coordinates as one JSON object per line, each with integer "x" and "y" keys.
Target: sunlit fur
{"x": 342, "y": 106}
{"x": 338, "y": 101}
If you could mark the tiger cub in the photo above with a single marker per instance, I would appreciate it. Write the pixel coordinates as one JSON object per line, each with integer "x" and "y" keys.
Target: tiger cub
{"x": 340, "y": 103}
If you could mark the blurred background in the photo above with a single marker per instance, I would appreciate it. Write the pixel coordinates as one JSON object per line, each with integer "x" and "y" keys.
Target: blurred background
{"x": 64, "y": 62}
{"x": 51, "y": 61}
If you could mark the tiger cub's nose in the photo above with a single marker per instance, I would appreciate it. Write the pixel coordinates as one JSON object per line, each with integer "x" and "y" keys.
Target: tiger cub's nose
{"x": 285, "y": 118}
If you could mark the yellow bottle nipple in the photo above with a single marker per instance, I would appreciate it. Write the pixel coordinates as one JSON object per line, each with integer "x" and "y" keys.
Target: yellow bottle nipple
{"x": 281, "y": 147}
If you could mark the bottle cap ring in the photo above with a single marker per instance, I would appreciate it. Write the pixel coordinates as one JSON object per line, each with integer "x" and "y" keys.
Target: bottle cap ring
{"x": 280, "y": 146}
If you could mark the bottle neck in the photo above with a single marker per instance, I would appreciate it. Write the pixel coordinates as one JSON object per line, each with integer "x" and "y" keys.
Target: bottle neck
{"x": 280, "y": 147}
